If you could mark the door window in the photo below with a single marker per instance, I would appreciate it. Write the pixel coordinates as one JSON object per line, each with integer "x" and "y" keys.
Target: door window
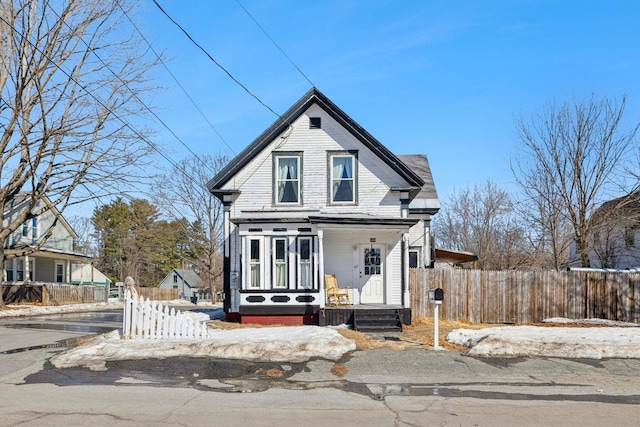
{"x": 372, "y": 259}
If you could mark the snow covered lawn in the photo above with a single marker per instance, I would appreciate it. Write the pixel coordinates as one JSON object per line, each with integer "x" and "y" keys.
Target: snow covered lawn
{"x": 280, "y": 344}
{"x": 542, "y": 341}
{"x": 300, "y": 343}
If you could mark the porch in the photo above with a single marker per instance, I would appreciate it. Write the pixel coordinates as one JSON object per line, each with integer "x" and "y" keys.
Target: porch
{"x": 368, "y": 317}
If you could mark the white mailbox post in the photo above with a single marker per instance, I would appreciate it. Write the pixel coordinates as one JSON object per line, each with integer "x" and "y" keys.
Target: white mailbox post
{"x": 436, "y": 295}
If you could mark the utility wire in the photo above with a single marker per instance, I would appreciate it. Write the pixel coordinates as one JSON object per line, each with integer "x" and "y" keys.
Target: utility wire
{"x": 102, "y": 104}
{"x": 216, "y": 62}
{"x": 176, "y": 80}
{"x": 134, "y": 93}
{"x": 274, "y": 43}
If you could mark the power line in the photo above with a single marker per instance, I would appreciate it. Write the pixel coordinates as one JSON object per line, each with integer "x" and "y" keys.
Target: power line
{"x": 117, "y": 76}
{"x": 101, "y": 103}
{"x": 274, "y": 43}
{"x": 227, "y": 72}
{"x": 175, "y": 79}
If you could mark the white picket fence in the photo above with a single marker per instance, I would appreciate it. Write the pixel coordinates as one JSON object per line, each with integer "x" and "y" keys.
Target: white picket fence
{"x": 148, "y": 319}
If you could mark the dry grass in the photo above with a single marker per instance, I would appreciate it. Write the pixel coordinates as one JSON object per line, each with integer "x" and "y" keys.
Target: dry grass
{"x": 419, "y": 333}
{"x": 339, "y": 370}
{"x": 272, "y": 373}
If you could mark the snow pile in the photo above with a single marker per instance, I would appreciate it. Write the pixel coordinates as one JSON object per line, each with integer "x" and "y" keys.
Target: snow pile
{"x": 591, "y": 343}
{"x": 278, "y": 344}
{"x": 21, "y": 311}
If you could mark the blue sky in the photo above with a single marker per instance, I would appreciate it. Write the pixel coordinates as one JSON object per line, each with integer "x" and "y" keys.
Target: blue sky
{"x": 443, "y": 78}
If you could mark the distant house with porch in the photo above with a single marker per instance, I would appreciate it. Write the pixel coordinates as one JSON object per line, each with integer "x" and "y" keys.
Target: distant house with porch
{"x": 30, "y": 260}
{"x": 315, "y": 194}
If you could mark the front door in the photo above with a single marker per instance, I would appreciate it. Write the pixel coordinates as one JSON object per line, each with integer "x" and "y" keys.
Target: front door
{"x": 372, "y": 274}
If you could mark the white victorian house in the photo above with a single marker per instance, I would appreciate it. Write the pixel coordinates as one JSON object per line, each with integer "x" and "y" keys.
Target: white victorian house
{"x": 315, "y": 194}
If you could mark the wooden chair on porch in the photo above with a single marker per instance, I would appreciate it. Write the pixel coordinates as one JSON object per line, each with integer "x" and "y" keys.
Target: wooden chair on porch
{"x": 335, "y": 295}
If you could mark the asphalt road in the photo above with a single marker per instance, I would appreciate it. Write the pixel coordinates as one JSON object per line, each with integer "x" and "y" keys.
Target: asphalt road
{"x": 415, "y": 386}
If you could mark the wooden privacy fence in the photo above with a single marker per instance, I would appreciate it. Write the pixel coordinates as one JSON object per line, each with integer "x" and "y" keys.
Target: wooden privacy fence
{"x": 527, "y": 296}
{"x": 148, "y": 319}
{"x": 159, "y": 294}
{"x": 59, "y": 293}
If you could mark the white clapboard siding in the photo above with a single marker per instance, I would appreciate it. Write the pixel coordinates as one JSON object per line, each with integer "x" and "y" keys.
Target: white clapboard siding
{"x": 148, "y": 319}
{"x": 375, "y": 178}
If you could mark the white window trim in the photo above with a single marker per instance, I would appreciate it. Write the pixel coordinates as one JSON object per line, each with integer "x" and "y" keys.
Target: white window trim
{"x": 276, "y": 179}
{"x": 55, "y": 271}
{"x": 35, "y": 231}
{"x": 274, "y": 241}
{"x": 354, "y": 178}
{"x": 299, "y": 263}
{"x": 260, "y": 263}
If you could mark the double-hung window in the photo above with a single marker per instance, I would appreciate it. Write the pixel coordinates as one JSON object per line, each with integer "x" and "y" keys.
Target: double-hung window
{"x": 343, "y": 178}
{"x": 287, "y": 178}
{"x": 280, "y": 255}
{"x": 305, "y": 251}
{"x": 255, "y": 264}
{"x": 34, "y": 230}
{"x": 59, "y": 272}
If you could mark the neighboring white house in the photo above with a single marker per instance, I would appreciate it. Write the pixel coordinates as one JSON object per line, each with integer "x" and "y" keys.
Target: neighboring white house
{"x": 54, "y": 261}
{"x": 615, "y": 241}
{"x": 187, "y": 282}
{"x": 316, "y": 194}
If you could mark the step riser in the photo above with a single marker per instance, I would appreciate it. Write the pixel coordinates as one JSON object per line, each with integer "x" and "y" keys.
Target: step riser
{"x": 377, "y": 320}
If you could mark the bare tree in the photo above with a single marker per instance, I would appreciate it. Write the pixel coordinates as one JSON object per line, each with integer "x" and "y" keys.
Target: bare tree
{"x": 482, "y": 220}
{"x": 183, "y": 194}
{"x": 572, "y": 155}
{"x": 86, "y": 241}
{"x": 70, "y": 80}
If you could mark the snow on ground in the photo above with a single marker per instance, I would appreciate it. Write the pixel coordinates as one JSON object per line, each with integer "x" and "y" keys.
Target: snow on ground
{"x": 280, "y": 344}
{"x": 301, "y": 343}
{"x": 565, "y": 342}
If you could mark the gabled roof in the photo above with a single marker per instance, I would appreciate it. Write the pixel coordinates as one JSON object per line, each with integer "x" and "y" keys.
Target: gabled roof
{"x": 191, "y": 278}
{"x": 627, "y": 207}
{"x": 313, "y": 96}
{"x": 23, "y": 198}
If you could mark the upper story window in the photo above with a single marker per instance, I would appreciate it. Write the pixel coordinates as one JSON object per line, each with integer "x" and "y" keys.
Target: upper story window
{"x": 25, "y": 229}
{"x": 34, "y": 229}
{"x": 629, "y": 237}
{"x": 287, "y": 178}
{"x": 343, "y": 178}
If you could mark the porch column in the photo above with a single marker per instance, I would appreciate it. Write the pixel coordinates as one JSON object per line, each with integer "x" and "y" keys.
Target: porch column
{"x": 27, "y": 274}
{"x": 323, "y": 294}
{"x": 67, "y": 271}
{"x": 406, "y": 297}
{"x": 426, "y": 246}
{"x": 226, "y": 269}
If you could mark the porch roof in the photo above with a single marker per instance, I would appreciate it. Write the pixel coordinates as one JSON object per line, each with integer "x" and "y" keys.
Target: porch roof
{"x": 333, "y": 219}
{"x": 49, "y": 253}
